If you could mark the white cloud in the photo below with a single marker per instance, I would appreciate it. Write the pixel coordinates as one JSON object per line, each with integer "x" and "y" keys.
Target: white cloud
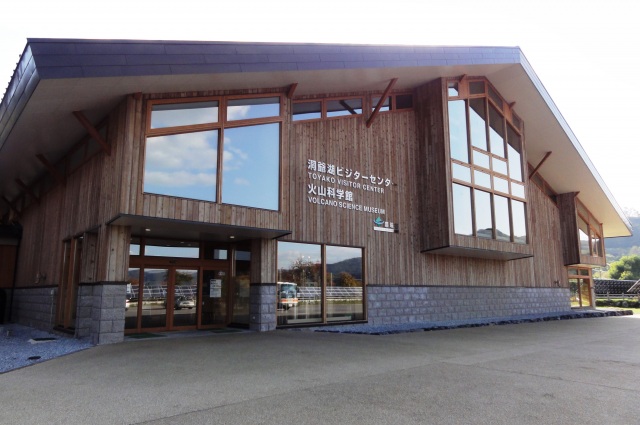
{"x": 241, "y": 182}
{"x": 179, "y": 178}
{"x": 192, "y": 151}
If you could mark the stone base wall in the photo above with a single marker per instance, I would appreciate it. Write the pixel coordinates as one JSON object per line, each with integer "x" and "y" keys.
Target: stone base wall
{"x": 100, "y": 312}
{"x": 34, "y": 307}
{"x": 407, "y": 304}
{"x": 262, "y": 307}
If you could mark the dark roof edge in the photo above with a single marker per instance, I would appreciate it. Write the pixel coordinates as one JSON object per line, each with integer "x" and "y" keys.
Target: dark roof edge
{"x": 23, "y": 83}
{"x": 572, "y": 137}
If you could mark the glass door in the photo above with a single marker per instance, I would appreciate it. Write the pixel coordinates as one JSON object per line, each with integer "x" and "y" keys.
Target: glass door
{"x": 214, "y": 298}
{"x": 184, "y": 298}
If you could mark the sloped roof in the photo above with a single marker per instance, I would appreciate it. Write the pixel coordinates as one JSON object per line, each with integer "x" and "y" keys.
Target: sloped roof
{"x": 56, "y": 77}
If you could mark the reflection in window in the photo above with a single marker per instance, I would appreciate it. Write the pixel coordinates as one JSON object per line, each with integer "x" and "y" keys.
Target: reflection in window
{"x": 251, "y": 164}
{"x": 180, "y": 114}
{"x": 519, "y": 222}
{"x": 590, "y": 232}
{"x": 299, "y": 292}
{"x": 462, "y": 210}
{"x": 171, "y": 248}
{"x": 153, "y": 298}
{"x": 514, "y": 148}
{"x": 484, "y": 223}
{"x": 482, "y": 179}
{"x": 244, "y": 109}
{"x": 461, "y": 172}
{"x": 182, "y": 165}
{"x": 307, "y": 111}
{"x": 496, "y": 132}
{"x": 131, "y": 302}
{"x": 301, "y": 287}
{"x": 386, "y": 105}
{"x": 481, "y": 159}
{"x": 583, "y": 229}
{"x": 185, "y": 298}
{"x": 344, "y": 285}
{"x": 458, "y": 131}
{"x": 497, "y": 172}
{"x": 501, "y": 214}
{"x": 342, "y": 107}
{"x": 500, "y": 185}
{"x": 477, "y": 124}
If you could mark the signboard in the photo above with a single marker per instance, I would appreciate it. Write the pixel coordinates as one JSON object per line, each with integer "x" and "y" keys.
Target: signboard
{"x": 331, "y": 185}
{"x": 215, "y": 288}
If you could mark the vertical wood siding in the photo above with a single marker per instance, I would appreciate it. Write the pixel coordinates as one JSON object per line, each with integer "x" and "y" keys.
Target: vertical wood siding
{"x": 398, "y": 146}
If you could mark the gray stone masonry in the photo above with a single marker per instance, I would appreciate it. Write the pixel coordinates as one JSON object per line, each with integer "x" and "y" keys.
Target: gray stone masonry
{"x": 35, "y": 307}
{"x": 407, "y": 304}
{"x": 262, "y": 307}
{"x": 106, "y": 305}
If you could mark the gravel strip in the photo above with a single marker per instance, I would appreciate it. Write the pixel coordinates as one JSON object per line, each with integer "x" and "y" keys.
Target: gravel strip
{"x": 368, "y": 329}
{"x": 22, "y": 346}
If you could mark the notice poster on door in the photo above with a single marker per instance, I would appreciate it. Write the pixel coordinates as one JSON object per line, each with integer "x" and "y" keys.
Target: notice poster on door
{"x": 215, "y": 288}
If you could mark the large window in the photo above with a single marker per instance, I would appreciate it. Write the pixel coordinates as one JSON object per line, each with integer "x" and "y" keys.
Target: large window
{"x": 224, "y": 149}
{"x": 319, "y": 284}
{"x": 485, "y": 145}
{"x": 590, "y": 232}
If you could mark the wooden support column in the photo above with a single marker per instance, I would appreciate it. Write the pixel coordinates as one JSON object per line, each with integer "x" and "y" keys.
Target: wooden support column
{"x": 92, "y": 131}
{"x": 52, "y": 170}
{"x": 27, "y": 190}
{"x": 381, "y": 101}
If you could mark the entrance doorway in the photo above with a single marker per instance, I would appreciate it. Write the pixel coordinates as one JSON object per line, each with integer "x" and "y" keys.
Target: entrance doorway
{"x": 581, "y": 287}
{"x": 207, "y": 287}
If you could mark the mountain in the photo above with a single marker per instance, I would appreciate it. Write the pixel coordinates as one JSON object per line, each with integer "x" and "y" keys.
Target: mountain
{"x": 619, "y": 247}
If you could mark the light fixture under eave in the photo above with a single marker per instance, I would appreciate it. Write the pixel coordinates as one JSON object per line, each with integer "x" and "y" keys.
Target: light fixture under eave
{"x": 147, "y": 230}
{"x": 232, "y": 237}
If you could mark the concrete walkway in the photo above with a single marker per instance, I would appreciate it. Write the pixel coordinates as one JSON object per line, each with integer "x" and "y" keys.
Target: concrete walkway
{"x": 583, "y": 371}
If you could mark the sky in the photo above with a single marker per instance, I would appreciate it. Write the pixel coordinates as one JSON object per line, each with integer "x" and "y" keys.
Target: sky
{"x": 585, "y": 54}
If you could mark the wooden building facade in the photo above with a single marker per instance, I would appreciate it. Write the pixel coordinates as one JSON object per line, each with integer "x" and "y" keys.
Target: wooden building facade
{"x": 174, "y": 185}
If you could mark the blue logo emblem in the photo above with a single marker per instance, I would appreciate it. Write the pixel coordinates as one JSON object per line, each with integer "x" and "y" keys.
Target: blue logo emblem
{"x": 378, "y": 221}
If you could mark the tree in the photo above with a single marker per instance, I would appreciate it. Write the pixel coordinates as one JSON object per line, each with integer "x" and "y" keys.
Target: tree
{"x": 626, "y": 268}
{"x": 347, "y": 280}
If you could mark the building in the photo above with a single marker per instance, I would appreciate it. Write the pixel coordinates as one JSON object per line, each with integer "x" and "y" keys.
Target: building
{"x": 157, "y": 185}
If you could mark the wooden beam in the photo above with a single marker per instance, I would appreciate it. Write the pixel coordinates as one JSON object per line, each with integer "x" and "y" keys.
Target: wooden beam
{"x": 92, "y": 131}
{"x": 512, "y": 104}
{"x": 27, "y": 190}
{"x": 292, "y": 90}
{"x": 52, "y": 170}
{"x": 11, "y": 205}
{"x": 137, "y": 95}
{"x": 535, "y": 170}
{"x": 381, "y": 101}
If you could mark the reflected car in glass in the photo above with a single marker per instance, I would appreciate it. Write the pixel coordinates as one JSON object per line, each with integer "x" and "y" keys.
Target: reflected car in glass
{"x": 182, "y": 302}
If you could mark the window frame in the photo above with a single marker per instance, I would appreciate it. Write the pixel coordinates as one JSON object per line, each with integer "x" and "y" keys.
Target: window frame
{"x": 323, "y": 108}
{"x": 509, "y": 121}
{"x": 220, "y": 125}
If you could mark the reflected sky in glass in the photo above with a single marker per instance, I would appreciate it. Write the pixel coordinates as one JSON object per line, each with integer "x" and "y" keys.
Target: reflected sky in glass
{"x": 519, "y": 222}
{"x": 179, "y": 114}
{"x": 182, "y": 165}
{"x": 477, "y": 123}
{"x": 291, "y": 252}
{"x": 462, "y": 210}
{"x": 484, "y": 224}
{"x": 251, "y": 166}
{"x": 244, "y": 109}
{"x": 458, "y": 131}
{"x": 501, "y": 214}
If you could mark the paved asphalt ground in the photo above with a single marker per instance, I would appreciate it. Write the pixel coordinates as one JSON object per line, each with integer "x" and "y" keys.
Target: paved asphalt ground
{"x": 584, "y": 371}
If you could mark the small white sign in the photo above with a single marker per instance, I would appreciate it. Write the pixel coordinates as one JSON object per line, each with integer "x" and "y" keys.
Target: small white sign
{"x": 215, "y": 288}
